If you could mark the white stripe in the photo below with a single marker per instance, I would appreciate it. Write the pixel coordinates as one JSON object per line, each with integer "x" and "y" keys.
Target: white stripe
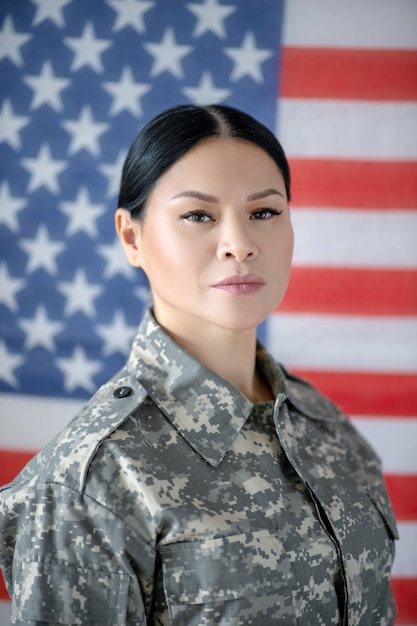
{"x": 29, "y": 422}
{"x": 5, "y": 613}
{"x": 344, "y": 343}
{"x": 353, "y": 24}
{"x": 347, "y": 129}
{"x": 367, "y": 239}
{"x": 393, "y": 439}
{"x": 405, "y": 563}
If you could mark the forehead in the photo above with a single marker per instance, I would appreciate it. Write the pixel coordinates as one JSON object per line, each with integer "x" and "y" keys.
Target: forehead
{"x": 217, "y": 159}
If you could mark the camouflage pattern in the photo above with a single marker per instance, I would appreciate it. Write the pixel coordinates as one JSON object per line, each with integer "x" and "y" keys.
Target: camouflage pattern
{"x": 172, "y": 499}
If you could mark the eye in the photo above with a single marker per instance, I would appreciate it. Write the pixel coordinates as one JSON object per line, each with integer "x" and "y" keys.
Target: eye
{"x": 264, "y": 214}
{"x": 196, "y": 216}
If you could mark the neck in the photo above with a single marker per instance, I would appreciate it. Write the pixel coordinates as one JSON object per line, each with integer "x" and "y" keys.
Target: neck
{"x": 229, "y": 354}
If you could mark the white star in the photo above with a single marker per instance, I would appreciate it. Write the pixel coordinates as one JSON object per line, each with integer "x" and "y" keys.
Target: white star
{"x": 206, "y": 92}
{"x": 87, "y": 49}
{"x": 144, "y": 294}
{"x": 126, "y": 93}
{"x": 167, "y": 54}
{"x": 130, "y": 13}
{"x": 78, "y": 370}
{"x": 10, "y": 125}
{"x": 44, "y": 170}
{"x": 10, "y": 207}
{"x": 116, "y": 260}
{"x": 82, "y": 214}
{"x": 40, "y": 330}
{"x": 80, "y": 294}
{"x": 113, "y": 172}
{"x": 42, "y": 251}
{"x": 248, "y": 59}
{"x": 47, "y": 88}
{"x": 11, "y": 41}
{"x": 210, "y": 17}
{"x": 50, "y": 9}
{"x": 9, "y": 362}
{"x": 85, "y": 132}
{"x": 9, "y": 287}
{"x": 117, "y": 336}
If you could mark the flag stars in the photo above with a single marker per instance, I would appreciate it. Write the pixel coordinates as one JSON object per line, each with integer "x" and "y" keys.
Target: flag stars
{"x": 167, "y": 55}
{"x": 44, "y": 170}
{"x": 87, "y": 49}
{"x": 206, "y": 92}
{"x": 126, "y": 93}
{"x": 130, "y": 13}
{"x": 9, "y": 287}
{"x": 210, "y": 17}
{"x": 8, "y": 363}
{"x": 116, "y": 336}
{"x": 78, "y": 370}
{"x": 47, "y": 88}
{"x": 10, "y": 125}
{"x": 42, "y": 251}
{"x": 11, "y": 41}
{"x": 10, "y": 207}
{"x": 113, "y": 171}
{"x": 82, "y": 214}
{"x": 85, "y": 133}
{"x": 116, "y": 262}
{"x": 248, "y": 59}
{"x": 50, "y": 10}
{"x": 80, "y": 295}
{"x": 40, "y": 330}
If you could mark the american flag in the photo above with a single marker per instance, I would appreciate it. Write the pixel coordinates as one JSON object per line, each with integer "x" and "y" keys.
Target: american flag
{"x": 337, "y": 82}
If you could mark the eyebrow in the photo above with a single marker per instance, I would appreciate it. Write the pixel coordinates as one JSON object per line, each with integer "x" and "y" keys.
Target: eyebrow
{"x": 258, "y": 195}
{"x": 199, "y": 195}
{"x": 205, "y": 197}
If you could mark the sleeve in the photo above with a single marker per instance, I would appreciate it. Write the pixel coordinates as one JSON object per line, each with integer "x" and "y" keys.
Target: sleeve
{"x": 69, "y": 560}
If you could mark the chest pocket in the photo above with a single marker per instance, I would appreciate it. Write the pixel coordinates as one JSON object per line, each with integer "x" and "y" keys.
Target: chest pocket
{"x": 238, "y": 579}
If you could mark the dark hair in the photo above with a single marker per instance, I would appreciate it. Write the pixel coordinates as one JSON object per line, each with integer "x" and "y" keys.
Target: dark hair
{"x": 172, "y": 133}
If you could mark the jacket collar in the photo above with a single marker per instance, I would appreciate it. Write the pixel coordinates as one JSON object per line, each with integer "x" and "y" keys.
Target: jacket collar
{"x": 206, "y": 410}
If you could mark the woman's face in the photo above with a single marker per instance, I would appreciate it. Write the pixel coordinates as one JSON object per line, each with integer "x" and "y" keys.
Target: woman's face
{"x": 216, "y": 242}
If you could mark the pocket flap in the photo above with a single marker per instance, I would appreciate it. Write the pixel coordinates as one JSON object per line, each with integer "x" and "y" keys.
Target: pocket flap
{"x": 222, "y": 569}
{"x": 380, "y": 498}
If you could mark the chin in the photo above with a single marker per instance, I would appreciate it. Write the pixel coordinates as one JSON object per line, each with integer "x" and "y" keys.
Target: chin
{"x": 240, "y": 322}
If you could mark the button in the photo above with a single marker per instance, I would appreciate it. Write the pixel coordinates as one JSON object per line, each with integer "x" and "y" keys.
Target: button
{"x": 122, "y": 392}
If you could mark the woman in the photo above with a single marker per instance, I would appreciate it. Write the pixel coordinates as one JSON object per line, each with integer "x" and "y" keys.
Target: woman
{"x": 204, "y": 484}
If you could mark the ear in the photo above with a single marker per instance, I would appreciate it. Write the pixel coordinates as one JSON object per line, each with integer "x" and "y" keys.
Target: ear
{"x": 130, "y": 234}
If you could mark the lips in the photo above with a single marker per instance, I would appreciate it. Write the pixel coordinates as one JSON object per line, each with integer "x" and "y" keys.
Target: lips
{"x": 241, "y": 284}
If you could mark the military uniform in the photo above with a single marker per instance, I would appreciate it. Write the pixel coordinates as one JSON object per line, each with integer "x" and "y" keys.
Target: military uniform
{"x": 172, "y": 499}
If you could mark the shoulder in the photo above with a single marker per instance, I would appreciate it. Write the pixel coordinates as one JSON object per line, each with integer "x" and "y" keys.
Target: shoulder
{"x": 326, "y": 420}
{"x": 308, "y": 400}
{"x": 66, "y": 459}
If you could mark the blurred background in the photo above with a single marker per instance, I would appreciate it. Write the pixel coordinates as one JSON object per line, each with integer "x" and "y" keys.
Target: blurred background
{"x": 336, "y": 82}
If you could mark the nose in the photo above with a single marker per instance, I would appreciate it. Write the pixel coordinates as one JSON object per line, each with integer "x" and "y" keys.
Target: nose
{"x": 236, "y": 242}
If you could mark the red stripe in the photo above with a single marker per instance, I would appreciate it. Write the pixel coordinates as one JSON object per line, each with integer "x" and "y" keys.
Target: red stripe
{"x": 405, "y": 592}
{"x": 348, "y": 74}
{"x": 11, "y": 462}
{"x": 364, "y": 393}
{"x": 3, "y": 593}
{"x": 403, "y": 493}
{"x": 351, "y": 291}
{"x": 354, "y": 184}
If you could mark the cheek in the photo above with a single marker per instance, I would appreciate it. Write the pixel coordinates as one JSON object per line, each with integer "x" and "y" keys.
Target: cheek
{"x": 283, "y": 247}
{"x": 167, "y": 253}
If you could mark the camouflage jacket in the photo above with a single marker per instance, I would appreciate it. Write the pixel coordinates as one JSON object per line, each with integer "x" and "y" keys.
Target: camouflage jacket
{"x": 172, "y": 499}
